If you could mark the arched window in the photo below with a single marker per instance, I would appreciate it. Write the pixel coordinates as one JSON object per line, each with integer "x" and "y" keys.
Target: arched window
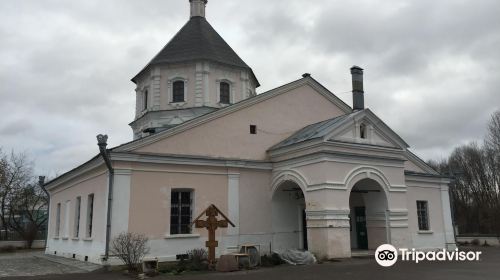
{"x": 145, "y": 101}
{"x": 362, "y": 131}
{"x": 178, "y": 92}
{"x": 225, "y": 93}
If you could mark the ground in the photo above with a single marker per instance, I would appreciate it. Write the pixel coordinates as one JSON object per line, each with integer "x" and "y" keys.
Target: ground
{"x": 487, "y": 268}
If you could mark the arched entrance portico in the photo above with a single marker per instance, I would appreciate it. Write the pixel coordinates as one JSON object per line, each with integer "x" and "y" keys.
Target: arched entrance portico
{"x": 368, "y": 215}
{"x": 288, "y": 216}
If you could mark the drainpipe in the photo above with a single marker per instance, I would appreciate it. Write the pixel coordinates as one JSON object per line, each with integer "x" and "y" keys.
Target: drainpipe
{"x": 41, "y": 182}
{"x": 102, "y": 143}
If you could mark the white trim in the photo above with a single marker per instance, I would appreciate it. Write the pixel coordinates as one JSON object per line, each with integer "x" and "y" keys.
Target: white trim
{"x": 170, "y": 90}
{"x": 78, "y": 182}
{"x": 233, "y": 202}
{"x": 231, "y": 91}
{"x": 290, "y": 151}
{"x": 289, "y": 175}
{"x": 121, "y": 202}
{"x": 185, "y": 160}
{"x": 419, "y": 162}
{"x": 72, "y": 174}
{"x": 321, "y": 157}
{"x": 181, "y": 236}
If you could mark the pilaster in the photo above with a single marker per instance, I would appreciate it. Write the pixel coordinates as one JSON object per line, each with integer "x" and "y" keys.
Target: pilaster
{"x": 449, "y": 234}
{"x": 155, "y": 89}
{"x": 198, "y": 85}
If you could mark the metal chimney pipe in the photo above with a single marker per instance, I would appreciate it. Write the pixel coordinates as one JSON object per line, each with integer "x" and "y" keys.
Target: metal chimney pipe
{"x": 358, "y": 98}
{"x": 102, "y": 142}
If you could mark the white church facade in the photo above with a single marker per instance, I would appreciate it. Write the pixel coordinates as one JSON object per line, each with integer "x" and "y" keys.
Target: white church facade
{"x": 294, "y": 167}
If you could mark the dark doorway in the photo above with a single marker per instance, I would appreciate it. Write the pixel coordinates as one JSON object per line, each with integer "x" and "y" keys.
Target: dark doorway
{"x": 304, "y": 230}
{"x": 361, "y": 232}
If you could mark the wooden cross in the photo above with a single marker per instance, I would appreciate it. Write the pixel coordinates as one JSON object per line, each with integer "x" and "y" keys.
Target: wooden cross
{"x": 211, "y": 224}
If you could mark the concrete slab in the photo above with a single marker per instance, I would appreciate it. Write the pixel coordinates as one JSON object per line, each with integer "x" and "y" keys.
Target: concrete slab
{"x": 34, "y": 263}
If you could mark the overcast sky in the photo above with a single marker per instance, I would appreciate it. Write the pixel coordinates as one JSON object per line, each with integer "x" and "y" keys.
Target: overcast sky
{"x": 432, "y": 68}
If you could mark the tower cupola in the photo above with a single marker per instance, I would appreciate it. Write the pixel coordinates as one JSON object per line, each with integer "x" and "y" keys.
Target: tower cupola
{"x": 196, "y": 73}
{"x": 198, "y": 8}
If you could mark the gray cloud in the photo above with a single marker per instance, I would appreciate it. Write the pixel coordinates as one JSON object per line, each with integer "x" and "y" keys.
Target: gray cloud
{"x": 65, "y": 67}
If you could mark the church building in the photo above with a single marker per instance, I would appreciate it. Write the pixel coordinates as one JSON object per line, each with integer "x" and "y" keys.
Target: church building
{"x": 293, "y": 167}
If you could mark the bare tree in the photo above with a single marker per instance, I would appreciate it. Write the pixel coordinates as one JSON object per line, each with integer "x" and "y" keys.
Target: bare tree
{"x": 22, "y": 203}
{"x": 28, "y": 212}
{"x": 131, "y": 249}
{"x": 475, "y": 191}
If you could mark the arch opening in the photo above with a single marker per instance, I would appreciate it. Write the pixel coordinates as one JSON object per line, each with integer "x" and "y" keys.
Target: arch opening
{"x": 289, "y": 217}
{"x": 368, "y": 215}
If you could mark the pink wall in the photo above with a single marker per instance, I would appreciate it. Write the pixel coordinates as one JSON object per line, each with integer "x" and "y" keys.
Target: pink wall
{"x": 151, "y": 186}
{"x": 276, "y": 119}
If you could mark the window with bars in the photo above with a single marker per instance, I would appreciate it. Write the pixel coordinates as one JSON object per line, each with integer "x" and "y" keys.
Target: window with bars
{"x": 225, "y": 90}
{"x": 178, "y": 91}
{"x": 90, "y": 215}
{"x": 76, "y": 230}
{"x": 181, "y": 206}
{"x": 423, "y": 215}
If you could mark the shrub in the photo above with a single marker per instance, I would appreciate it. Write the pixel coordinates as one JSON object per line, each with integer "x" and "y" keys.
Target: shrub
{"x": 198, "y": 259}
{"x": 475, "y": 242}
{"x": 131, "y": 249}
{"x": 485, "y": 244}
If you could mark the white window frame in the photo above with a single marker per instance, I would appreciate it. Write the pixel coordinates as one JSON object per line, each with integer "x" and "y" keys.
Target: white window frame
{"x": 191, "y": 191}
{"x": 231, "y": 91}
{"x": 427, "y": 219}
{"x": 170, "y": 87}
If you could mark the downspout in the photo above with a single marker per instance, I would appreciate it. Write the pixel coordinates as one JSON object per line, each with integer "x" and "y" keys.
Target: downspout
{"x": 41, "y": 183}
{"x": 102, "y": 143}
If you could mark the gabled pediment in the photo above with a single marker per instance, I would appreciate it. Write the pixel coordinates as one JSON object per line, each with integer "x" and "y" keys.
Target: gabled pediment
{"x": 348, "y": 129}
{"x": 364, "y": 127}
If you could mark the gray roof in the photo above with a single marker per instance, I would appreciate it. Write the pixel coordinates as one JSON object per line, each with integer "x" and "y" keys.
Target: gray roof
{"x": 198, "y": 40}
{"x": 313, "y": 131}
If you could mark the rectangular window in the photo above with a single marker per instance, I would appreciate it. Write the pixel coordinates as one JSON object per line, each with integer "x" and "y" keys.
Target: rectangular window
{"x": 90, "y": 215}
{"x": 225, "y": 93}
{"x": 67, "y": 210}
{"x": 181, "y": 204}
{"x": 58, "y": 220}
{"x": 423, "y": 215}
{"x": 145, "y": 102}
{"x": 76, "y": 229}
{"x": 178, "y": 91}
{"x": 253, "y": 129}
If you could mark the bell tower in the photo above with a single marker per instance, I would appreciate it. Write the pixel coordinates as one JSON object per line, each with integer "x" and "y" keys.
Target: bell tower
{"x": 196, "y": 73}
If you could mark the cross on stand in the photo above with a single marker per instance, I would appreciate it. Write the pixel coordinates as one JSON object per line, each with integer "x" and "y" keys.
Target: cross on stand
{"x": 211, "y": 224}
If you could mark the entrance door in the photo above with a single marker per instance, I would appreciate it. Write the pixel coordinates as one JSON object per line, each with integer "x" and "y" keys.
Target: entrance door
{"x": 361, "y": 232}
{"x": 304, "y": 230}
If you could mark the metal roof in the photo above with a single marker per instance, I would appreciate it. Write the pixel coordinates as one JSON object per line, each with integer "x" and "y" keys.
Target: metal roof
{"x": 198, "y": 40}
{"x": 313, "y": 131}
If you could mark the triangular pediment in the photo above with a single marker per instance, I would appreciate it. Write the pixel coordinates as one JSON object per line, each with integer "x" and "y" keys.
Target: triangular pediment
{"x": 364, "y": 127}
{"x": 347, "y": 129}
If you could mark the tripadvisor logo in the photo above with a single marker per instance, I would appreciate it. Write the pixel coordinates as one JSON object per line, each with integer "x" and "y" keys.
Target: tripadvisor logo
{"x": 387, "y": 255}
